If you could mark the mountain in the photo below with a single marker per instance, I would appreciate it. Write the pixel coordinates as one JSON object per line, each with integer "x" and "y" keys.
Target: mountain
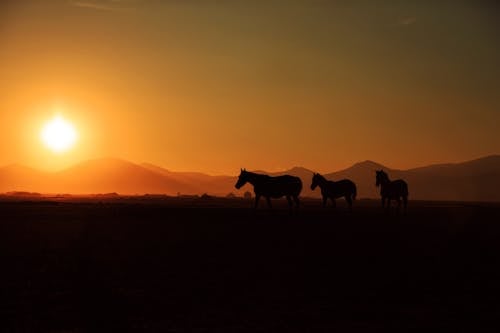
{"x": 203, "y": 183}
{"x": 475, "y": 180}
{"x": 114, "y": 175}
{"x": 93, "y": 176}
{"x": 363, "y": 174}
{"x": 17, "y": 177}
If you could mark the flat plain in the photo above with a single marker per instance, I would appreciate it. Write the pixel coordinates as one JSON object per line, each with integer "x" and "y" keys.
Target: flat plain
{"x": 216, "y": 264}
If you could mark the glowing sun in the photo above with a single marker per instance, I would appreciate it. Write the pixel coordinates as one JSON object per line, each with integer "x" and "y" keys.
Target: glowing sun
{"x": 58, "y": 134}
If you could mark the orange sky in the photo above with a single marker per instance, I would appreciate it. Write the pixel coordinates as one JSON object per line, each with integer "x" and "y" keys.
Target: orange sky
{"x": 214, "y": 86}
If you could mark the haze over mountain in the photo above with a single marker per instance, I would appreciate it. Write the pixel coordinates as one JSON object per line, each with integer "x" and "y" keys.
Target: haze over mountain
{"x": 475, "y": 180}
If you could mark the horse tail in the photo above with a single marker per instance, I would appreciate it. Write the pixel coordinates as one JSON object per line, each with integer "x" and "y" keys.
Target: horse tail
{"x": 300, "y": 185}
{"x": 354, "y": 191}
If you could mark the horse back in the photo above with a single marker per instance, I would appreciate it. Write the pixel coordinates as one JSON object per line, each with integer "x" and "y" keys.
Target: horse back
{"x": 341, "y": 187}
{"x": 398, "y": 188}
{"x": 402, "y": 186}
{"x": 345, "y": 183}
{"x": 279, "y": 186}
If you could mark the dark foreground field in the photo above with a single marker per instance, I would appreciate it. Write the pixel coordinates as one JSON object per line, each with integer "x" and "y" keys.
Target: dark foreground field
{"x": 215, "y": 265}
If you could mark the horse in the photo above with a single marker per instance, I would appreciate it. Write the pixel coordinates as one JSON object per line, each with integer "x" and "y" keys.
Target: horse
{"x": 333, "y": 190}
{"x": 389, "y": 190}
{"x": 272, "y": 187}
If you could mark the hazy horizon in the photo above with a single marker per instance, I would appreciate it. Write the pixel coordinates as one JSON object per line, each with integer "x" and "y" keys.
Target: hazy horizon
{"x": 473, "y": 180}
{"x": 215, "y": 86}
{"x": 236, "y": 171}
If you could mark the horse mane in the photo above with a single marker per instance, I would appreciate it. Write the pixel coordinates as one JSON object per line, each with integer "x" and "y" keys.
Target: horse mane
{"x": 255, "y": 174}
{"x": 383, "y": 174}
{"x": 321, "y": 177}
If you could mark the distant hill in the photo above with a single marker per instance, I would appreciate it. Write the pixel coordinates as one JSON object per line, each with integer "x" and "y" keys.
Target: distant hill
{"x": 114, "y": 175}
{"x": 19, "y": 178}
{"x": 200, "y": 182}
{"x": 363, "y": 174}
{"x": 475, "y": 180}
{"x": 93, "y": 176}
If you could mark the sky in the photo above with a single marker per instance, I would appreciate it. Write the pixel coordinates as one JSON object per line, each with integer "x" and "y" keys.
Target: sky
{"x": 213, "y": 86}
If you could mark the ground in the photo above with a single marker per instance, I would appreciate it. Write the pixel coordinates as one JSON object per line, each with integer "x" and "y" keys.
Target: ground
{"x": 203, "y": 265}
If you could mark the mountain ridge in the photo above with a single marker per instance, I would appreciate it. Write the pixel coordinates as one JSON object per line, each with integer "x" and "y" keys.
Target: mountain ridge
{"x": 472, "y": 180}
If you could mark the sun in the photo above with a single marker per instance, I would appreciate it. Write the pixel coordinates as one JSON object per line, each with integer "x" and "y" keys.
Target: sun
{"x": 58, "y": 134}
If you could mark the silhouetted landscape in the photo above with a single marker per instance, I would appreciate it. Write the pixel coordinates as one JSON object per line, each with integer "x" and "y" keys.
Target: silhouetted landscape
{"x": 475, "y": 180}
{"x": 156, "y": 250}
{"x": 214, "y": 264}
{"x": 249, "y": 166}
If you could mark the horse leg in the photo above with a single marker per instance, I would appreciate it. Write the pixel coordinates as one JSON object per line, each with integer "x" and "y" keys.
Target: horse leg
{"x": 349, "y": 201}
{"x": 290, "y": 202}
{"x": 269, "y": 202}
{"x": 325, "y": 199}
{"x": 333, "y": 202}
{"x": 257, "y": 197}
{"x": 399, "y": 205}
{"x": 383, "y": 202}
{"x": 405, "y": 202}
{"x": 297, "y": 201}
{"x": 388, "y": 204}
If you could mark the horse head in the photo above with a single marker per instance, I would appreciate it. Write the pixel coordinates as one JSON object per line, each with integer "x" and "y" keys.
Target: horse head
{"x": 381, "y": 177}
{"x": 315, "y": 180}
{"x": 242, "y": 179}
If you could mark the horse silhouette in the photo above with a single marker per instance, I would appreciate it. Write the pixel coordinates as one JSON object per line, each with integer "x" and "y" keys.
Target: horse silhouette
{"x": 333, "y": 190}
{"x": 390, "y": 190}
{"x": 271, "y": 187}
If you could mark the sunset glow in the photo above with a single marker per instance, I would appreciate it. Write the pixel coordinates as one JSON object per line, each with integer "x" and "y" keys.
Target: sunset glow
{"x": 231, "y": 165}
{"x": 58, "y": 135}
{"x": 213, "y": 87}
